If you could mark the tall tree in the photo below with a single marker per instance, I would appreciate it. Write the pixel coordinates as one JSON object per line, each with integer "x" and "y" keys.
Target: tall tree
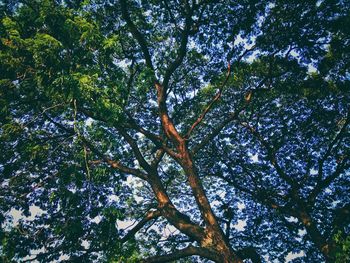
{"x": 192, "y": 114}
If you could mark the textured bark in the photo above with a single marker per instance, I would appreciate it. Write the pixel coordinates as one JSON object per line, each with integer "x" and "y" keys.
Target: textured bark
{"x": 168, "y": 210}
{"x": 211, "y": 238}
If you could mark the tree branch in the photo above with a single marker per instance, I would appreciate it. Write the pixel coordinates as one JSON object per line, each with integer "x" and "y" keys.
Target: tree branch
{"x": 341, "y": 167}
{"x": 336, "y": 139}
{"x": 133, "y": 144}
{"x": 181, "y": 221}
{"x": 150, "y": 215}
{"x": 136, "y": 33}
{"x": 182, "y": 49}
{"x": 271, "y": 156}
{"x": 231, "y": 116}
{"x": 114, "y": 164}
{"x": 168, "y": 125}
{"x": 186, "y": 252}
{"x": 172, "y": 18}
{"x": 207, "y": 109}
{"x": 156, "y": 139}
{"x": 158, "y": 158}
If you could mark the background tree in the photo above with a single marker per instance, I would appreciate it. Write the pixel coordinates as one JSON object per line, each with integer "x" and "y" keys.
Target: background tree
{"x": 194, "y": 114}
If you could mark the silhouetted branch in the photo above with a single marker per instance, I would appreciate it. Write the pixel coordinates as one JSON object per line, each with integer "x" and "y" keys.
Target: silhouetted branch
{"x": 136, "y": 33}
{"x": 186, "y": 252}
{"x": 211, "y": 103}
{"x": 150, "y": 215}
{"x": 113, "y": 163}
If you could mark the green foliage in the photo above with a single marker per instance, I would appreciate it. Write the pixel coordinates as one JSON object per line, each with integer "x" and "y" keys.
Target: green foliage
{"x": 343, "y": 244}
{"x": 75, "y": 81}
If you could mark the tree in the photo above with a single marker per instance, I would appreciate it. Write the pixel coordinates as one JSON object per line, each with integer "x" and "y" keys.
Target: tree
{"x": 194, "y": 114}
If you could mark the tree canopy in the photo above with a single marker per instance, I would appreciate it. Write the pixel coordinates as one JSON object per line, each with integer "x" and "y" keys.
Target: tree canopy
{"x": 216, "y": 131}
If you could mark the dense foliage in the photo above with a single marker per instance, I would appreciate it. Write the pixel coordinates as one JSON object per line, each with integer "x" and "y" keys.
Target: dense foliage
{"x": 219, "y": 128}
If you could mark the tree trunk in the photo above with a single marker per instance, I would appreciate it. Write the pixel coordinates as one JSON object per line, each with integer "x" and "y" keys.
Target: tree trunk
{"x": 215, "y": 236}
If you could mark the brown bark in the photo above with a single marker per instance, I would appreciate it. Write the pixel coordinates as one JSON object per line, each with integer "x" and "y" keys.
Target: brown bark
{"x": 186, "y": 252}
{"x": 211, "y": 237}
{"x": 214, "y": 236}
{"x": 168, "y": 210}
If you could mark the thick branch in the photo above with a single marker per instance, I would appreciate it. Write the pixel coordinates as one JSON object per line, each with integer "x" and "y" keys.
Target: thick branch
{"x": 136, "y": 33}
{"x": 168, "y": 125}
{"x": 182, "y": 222}
{"x": 186, "y": 252}
{"x": 216, "y": 237}
{"x": 317, "y": 238}
{"x": 157, "y": 159}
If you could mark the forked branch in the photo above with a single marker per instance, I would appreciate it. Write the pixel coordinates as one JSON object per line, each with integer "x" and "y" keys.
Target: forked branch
{"x": 136, "y": 33}
{"x": 211, "y": 103}
{"x": 150, "y": 215}
{"x": 113, "y": 163}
